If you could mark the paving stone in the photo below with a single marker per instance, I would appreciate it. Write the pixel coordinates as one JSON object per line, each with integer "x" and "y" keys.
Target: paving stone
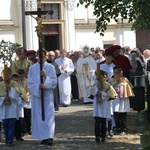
{"x": 75, "y": 131}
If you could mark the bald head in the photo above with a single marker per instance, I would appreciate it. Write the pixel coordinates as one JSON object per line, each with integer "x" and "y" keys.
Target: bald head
{"x": 51, "y": 55}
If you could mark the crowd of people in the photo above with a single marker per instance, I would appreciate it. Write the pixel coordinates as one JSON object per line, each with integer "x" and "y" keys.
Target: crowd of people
{"x": 104, "y": 78}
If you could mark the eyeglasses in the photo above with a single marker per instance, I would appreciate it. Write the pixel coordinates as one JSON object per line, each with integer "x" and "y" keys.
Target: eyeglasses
{"x": 51, "y": 55}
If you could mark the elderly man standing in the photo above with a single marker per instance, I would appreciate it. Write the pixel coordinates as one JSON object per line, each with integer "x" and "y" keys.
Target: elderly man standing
{"x": 66, "y": 68}
{"x": 51, "y": 60}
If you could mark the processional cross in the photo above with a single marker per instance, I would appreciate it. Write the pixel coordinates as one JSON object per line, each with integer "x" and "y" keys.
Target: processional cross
{"x": 38, "y": 30}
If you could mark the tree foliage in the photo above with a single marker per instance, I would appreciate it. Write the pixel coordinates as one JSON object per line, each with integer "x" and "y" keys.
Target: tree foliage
{"x": 136, "y": 11}
{"x": 7, "y": 50}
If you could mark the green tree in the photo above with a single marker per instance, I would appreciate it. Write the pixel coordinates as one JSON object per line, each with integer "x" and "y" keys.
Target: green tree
{"x": 136, "y": 11}
{"x": 7, "y": 50}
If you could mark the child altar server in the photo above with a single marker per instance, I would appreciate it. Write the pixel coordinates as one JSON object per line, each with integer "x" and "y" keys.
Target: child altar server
{"x": 10, "y": 97}
{"x": 121, "y": 104}
{"x": 103, "y": 92}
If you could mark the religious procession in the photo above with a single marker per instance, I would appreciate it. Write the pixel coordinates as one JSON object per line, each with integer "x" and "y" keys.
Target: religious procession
{"x": 112, "y": 81}
{"x": 104, "y": 84}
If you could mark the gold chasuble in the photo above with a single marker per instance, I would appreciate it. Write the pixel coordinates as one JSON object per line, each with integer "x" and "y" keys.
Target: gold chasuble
{"x": 20, "y": 64}
{"x": 106, "y": 87}
{"x": 16, "y": 86}
{"x": 23, "y": 84}
{"x": 125, "y": 87}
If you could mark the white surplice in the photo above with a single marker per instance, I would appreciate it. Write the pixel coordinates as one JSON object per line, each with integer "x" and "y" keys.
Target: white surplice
{"x": 108, "y": 68}
{"x": 21, "y": 108}
{"x": 64, "y": 82}
{"x": 121, "y": 105}
{"x": 101, "y": 109}
{"x": 12, "y": 110}
{"x": 42, "y": 129}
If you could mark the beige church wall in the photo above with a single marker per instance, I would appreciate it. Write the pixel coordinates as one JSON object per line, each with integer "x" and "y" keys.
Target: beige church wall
{"x": 80, "y": 12}
{"x": 109, "y": 37}
{"x": 7, "y": 36}
{"x": 120, "y": 36}
{"x": 116, "y": 33}
{"x": 126, "y": 37}
{"x": 10, "y": 21}
{"x": 5, "y": 6}
{"x": 90, "y": 12}
{"x": 84, "y": 27}
{"x": 87, "y": 37}
{"x": 17, "y": 18}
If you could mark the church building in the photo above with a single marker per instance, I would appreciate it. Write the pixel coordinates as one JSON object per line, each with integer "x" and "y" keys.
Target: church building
{"x": 66, "y": 26}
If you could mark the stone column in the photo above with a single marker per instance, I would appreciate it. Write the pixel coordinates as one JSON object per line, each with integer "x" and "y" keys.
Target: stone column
{"x": 70, "y": 25}
{"x": 31, "y": 37}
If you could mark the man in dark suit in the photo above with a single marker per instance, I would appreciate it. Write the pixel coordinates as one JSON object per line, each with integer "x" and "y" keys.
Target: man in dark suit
{"x": 51, "y": 60}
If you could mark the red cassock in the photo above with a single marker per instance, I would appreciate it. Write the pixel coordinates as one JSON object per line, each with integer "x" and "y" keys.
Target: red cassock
{"x": 123, "y": 62}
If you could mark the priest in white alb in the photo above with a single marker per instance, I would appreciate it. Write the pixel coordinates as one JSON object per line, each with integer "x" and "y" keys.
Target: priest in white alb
{"x": 42, "y": 129}
{"x": 66, "y": 67}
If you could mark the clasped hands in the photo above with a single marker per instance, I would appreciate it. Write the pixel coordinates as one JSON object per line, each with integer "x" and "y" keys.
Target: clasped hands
{"x": 63, "y": 66}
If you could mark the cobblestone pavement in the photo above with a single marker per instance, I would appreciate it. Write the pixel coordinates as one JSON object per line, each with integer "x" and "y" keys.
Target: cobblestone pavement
{"x": 75, "y": 130}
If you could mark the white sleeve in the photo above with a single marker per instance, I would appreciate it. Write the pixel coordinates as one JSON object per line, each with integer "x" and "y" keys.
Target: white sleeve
{"x": 1, "y": 101}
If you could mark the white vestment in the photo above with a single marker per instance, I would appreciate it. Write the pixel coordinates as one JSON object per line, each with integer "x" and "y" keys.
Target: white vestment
{"x": 86, "y": 79}
{"x": 21, "y": 108}
{"x": 108, "y": 68}
{"x": 64, "y": 82}
{"x": 101, "y": 109}
{"x": 12, "y": 110}
{"x": 42, "y": 129}
{"x": 100, "y": 60}
{"x": 121, "y": 105}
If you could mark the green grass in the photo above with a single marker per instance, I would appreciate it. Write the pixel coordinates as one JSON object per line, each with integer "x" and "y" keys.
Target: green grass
{"x": 145, "y": 137}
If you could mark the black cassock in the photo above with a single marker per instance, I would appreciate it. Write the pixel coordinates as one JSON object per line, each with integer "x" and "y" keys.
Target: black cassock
{"x": 56, "y": 90}
{"x": 137, "y": 78}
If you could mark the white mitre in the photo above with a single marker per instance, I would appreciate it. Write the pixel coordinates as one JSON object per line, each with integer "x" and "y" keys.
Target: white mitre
{"x": 86, "y": 50}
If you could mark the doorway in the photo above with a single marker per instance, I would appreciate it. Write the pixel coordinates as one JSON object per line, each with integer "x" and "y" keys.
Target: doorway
{"x": 51, "y": 36}
{"x": 51, "y": 42}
